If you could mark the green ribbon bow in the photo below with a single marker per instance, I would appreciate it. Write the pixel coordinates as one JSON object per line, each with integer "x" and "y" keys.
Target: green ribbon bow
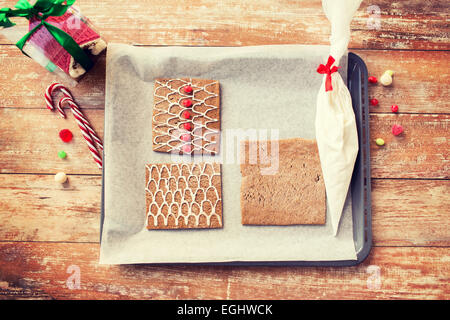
{"x": 41, "y": 10}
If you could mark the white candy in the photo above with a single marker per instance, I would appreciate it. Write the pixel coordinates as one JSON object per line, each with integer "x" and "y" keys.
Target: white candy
{"x": 60, "y": 177}
{"x": 386, "y": 78}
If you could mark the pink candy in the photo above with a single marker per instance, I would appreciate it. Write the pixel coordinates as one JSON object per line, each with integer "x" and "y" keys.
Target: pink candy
{"x": 397, "y": 129}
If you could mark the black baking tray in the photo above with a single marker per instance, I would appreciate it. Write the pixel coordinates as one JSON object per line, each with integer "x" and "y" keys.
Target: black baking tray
{"x": 360, "y": 185}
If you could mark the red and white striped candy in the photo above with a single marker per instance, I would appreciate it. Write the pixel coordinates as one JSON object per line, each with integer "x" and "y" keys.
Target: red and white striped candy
{"x": 93, "y": 141}
{"x": 49, "y": 100}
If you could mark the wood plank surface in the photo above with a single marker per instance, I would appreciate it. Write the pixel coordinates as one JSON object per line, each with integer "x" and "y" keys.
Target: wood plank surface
{"x": 30, "y": 142}
{"x": 411, "y": 212}
{"x": 36, "y": 208}
{"x": 405, "y": 273}
{"x": 421, "y": 151}
{"x": 41, "y": 270}
{"x": 413, "y": 24}
{"x": 24, "y": 82}
{"x": 418, "y": 87}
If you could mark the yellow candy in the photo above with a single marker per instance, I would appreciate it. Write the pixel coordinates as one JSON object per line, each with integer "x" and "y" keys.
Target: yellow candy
{"x": 379, "y": 142}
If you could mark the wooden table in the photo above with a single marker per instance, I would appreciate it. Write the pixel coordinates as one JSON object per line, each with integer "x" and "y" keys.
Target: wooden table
{"x": 50, "y": 234}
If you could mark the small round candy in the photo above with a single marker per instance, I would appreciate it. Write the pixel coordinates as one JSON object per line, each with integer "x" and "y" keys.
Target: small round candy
{"x": 394, "y": 108}
{"x": 379, "y": 142}
{"x": 374, "y": 102}
{"x": 186, "y": 115}
{"x": 187, "y": 103}
{"x": 187, "y": 126}
{"x": 60, "y": 177}
{"x": 397, "y": 129}
{"x": 186, "y": 137}
{"x": 373, "y": 79}
{"x": 186, "y": 148}
{"x": 386, "y": 79}
{"x": 66, "y": 135}
{"x": 188, "y": 89}
{"x": 62, "y": 154}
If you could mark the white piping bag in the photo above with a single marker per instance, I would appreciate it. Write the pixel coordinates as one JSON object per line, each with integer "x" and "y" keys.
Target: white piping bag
{"x": 336, "y": 134}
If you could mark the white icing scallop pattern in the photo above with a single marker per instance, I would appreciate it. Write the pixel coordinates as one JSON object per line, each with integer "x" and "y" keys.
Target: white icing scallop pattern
{"x": 202, "y": 132}
{"x": 178, "y": 186}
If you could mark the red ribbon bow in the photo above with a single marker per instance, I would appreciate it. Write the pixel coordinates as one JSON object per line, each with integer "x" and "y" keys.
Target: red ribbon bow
{"x": 326, "y": 69}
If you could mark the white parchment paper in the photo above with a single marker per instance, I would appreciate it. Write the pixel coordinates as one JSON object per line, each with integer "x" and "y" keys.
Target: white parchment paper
{"x": 270, "y": 90}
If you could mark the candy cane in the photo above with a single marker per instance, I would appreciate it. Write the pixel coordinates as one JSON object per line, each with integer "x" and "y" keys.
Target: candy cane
{"x": 88, "y": 132}
{"x": 48, "y": 96}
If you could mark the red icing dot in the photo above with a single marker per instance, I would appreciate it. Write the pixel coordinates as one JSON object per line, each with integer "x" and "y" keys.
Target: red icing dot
{"x": 66, "y": 135}
{"x": 394, "y": 108}
{"x": 186, "y": 148}
{"x": 186, "y": 137}
{"x": 187, "y": 103}
{"x": 186, "y": 115}
{"x": 397, "y": 129}
{"x": 373, "y": 80}
{"x": 187, "y": 89}
{"x": 187, "y": 126}
{"x": 374, "y": 102}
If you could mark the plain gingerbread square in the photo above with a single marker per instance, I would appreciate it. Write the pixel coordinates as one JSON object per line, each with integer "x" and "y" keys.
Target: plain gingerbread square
{"x": 168, "y": 120}
{"x": 293, "y": 195}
